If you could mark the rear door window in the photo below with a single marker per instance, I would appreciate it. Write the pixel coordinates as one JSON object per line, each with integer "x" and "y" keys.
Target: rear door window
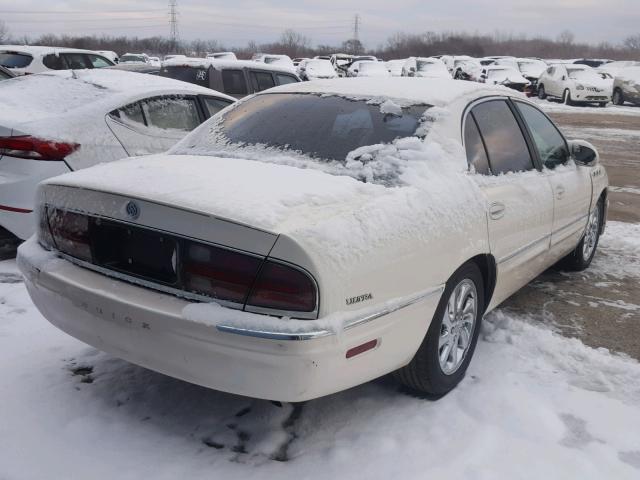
{"x": 171, "y": 113}
{"x": 98, "y": 61}
{"x": 234, "y": 82}
{"x": 54, "y": 62}
{"x": 15, "y": 59}
{"x": 283, "y": 79}
{"x": 549, "y": 143}
{"x": 262, "y": 81}
{"x": 213, "y": 105}
{"x": 506, "y": 147}
{"x": 131, "y": 115}
{"x": 476, "y": 153}
{"x": 76, "y": 61}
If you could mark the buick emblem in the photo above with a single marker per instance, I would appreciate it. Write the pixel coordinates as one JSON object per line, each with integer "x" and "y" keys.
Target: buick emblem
{"x": 132, "y": 209}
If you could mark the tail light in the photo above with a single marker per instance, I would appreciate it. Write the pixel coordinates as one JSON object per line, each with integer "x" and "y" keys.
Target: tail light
{"x": 70, "y": 233}
{"x": 33, "y": 148}
{"x": 281, "y": 287}
{"x": 218, "y": 273}
{"x": 253, "y": 282}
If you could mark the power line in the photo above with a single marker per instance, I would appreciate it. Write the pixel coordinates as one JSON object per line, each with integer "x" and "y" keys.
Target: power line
{"x": 74, "y": 12}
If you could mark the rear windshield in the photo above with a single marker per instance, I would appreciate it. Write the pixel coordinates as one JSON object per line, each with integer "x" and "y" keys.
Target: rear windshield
{"x": 132, "y": 58}
{"x": 324, "y": 128}
{"x": 197, "y": 76}
{"x": 15, "y": 59}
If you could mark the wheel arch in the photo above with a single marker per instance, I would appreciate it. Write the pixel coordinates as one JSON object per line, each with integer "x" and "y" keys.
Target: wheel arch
{"x": 487, "y": 265}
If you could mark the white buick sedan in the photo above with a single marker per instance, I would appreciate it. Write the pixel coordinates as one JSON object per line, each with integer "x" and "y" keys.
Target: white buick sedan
{"x": 318, "y": 235}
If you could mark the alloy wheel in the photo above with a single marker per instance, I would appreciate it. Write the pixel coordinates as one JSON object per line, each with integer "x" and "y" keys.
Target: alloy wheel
{"x": 591, "y": 234}
{"x": 458, "y": 324}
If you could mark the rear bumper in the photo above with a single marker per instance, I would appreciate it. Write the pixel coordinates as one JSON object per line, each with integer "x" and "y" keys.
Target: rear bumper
{"x": 149, "y": 329}
{"x": 19, "y": 179}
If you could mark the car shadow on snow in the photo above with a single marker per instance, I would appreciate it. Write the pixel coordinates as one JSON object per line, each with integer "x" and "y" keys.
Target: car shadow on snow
{"x": 241, "y": 428}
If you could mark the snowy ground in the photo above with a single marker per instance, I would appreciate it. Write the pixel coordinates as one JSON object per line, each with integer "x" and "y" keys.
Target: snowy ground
{"x": 534, "y": 405}
{"x": 610, "y": 109}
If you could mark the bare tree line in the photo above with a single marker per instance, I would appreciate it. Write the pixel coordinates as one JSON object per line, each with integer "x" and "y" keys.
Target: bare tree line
{"x": 398, "y": 45}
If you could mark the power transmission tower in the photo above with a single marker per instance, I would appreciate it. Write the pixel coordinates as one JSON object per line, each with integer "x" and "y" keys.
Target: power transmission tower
{"x": 173, "y": 23}
{"x": 356, "y": 27}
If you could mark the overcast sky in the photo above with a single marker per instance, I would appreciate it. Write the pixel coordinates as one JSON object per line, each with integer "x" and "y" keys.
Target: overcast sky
{"x": 235, "y": 22}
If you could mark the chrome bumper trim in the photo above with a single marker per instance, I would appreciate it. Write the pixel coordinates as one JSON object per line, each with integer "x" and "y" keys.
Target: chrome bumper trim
{"x": 320, "y": 333}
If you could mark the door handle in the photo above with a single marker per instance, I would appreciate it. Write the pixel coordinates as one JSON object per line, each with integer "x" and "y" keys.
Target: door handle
{"x": 559, "y": 192}
{"x": 496, "y": 210}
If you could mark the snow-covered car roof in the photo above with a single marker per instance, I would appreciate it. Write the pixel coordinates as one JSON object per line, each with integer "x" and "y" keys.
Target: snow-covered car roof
{"x": 38, "y": 50}
{"x": 436, "y": 92}
{"x": 224, "y": 63}
{"x": 52, "y": 94}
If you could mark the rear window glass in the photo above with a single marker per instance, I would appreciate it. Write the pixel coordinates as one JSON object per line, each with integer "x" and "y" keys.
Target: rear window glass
{"x": 76, "y": 61}
{"x": 54, "y": 62}
{"x": 262, "y": 81}
{"x": 197, "y": 76}
{"x": 15, "y": 60}
{"x": 130, "y": 115}
{"x": 233, "y": 82}
{"x": 284, "y": 79}
{"x": 171, "y": 113}
{"x": 338, "y": 125}
{"x": 213, "y": 105}
{"x": 99, "y": 62}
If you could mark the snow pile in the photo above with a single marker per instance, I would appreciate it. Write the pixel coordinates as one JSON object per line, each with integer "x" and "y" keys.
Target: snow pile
{"x": 533, "y": 405}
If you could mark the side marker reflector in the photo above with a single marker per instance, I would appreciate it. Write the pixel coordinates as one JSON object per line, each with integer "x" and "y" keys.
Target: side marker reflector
{"x": 370, "y": 345}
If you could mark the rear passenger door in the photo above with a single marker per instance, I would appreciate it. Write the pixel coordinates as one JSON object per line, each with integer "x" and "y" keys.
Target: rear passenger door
{"x": 571, "y": 184}
{"x": 155, "y": 124}
{"x": 519, "y": 200}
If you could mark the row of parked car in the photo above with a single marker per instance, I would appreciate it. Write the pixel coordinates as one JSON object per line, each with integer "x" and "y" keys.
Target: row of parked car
{"x": 572, "y": 81}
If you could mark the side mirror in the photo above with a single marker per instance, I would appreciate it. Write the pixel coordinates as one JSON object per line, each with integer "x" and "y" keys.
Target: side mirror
{"x": 412, "y": 69}
{"x": 355, "y": 70}
{"x": 564, "y": 78}
{"x": 583, "y": 153}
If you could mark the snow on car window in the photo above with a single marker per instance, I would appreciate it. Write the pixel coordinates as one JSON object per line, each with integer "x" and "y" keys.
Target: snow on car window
{"x": 171, "y": 113}
{"x": 281, "y": 124}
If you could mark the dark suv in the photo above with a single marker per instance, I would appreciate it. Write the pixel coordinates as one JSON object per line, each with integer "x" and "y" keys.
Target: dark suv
{"x": 237, "y": 78}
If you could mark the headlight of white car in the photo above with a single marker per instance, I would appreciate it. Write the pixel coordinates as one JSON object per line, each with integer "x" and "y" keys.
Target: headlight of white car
{"x": 579, "y": 87}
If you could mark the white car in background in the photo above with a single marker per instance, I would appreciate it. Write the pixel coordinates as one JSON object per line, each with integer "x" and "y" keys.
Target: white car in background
{"x": 425, "y": 67}
{"x": 466, "y": 68}
{"x": 505, "y": 76}
{"x": 222, "y": 56}
{"x": 626, "y": 86}
{"x": 395, "y": 67}
{"x": 110, "y": 54}
{"x": 23, "y": 60}
{"x": 59, "y": 122}
{"x": 155, "y": 62}
{"x": 531, "y": 69}
{"x": 574, "y": 84}
{"x": 134, "y": 58}
{"x": 318, "y": 235}
{"x": 613, "y": 68}
{"x": 283, "y": 61}
{"x": 368, "y": 68}
{"x": 316, "y": 69}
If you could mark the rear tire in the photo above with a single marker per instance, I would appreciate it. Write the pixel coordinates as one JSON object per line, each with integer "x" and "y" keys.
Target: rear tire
{"x": 542, "y": 94}
{"x": 446, "y": 351}
{"x": 618, "y": 97}
{"x": 581, "y": 257}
